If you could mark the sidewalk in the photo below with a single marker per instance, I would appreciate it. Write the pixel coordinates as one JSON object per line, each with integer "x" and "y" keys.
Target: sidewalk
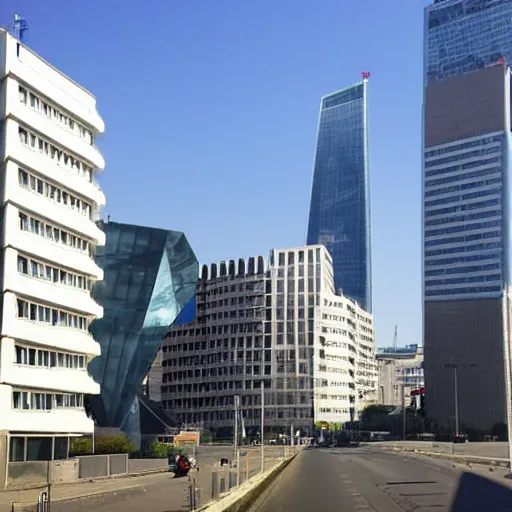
{"x": 134, "y": 484}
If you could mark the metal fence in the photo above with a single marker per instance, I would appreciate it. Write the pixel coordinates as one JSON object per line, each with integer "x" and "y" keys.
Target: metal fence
{"x": 222, "y": 470}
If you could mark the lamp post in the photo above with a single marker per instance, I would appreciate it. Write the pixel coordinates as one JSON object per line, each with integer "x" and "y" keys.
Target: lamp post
{"x": 455, "y": 367}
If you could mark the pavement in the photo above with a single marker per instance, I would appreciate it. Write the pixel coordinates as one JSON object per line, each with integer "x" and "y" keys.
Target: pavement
{"x": 367, "y": 479}
{"x": 153, "y": 493}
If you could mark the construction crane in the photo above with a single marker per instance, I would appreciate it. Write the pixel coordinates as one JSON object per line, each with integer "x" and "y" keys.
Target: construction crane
{"x": 395, "y": 337}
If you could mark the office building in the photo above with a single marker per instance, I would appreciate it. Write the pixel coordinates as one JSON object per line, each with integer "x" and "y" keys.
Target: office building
{"x": 466, "y": 209}
{"x": 399, "y": 367}
{"x": 280, "y": 324}
{"x": 339, "y": 215}
{"x": 150, "y": 276}
{"x": 50, "y": 201}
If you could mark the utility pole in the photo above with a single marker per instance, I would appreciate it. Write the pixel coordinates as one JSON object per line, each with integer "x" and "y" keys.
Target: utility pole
{"x": 404, "y": 415}
{"x": 235, "y": 434}
{"x": 456, "y": 400}
{"x": 262, "y": 427}
{"x": 456, "y": 367}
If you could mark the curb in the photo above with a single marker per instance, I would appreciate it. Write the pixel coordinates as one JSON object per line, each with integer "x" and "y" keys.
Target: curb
{"x": 463, "y": 459}
{"x": 240, "y": 498}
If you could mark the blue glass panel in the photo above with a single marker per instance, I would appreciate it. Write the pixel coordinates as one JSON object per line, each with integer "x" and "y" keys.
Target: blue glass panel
{"x": 465, "y": 35}
{"x": 339, "y": 216}
{"x": 150, "y": 276}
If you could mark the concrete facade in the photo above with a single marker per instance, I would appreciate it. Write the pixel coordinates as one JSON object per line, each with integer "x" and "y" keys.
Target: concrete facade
{"x": 278, "y": 323}
{"x": 49, "y": 204}
{"x": 399, "y": 367}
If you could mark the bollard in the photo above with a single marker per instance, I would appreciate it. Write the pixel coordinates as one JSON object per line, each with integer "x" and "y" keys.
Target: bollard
{"x": 215, "y": 485}
{"x": 223, "y": 483}
{"x": 232, "y": 479}
{"x": 247, "y": 466}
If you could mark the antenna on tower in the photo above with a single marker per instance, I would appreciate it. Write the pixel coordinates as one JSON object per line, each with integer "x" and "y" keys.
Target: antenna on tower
{"x": 365, "y": 75}
{"x": 395, "y": 337}
{"x": 20, "y": 26}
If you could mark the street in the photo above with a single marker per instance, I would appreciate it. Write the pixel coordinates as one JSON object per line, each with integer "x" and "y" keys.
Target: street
{"x": 366, "y": 479}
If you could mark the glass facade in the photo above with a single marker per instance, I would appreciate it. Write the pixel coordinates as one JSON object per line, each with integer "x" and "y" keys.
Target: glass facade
{"x": 464, "y": 35}
{"x": 149, "y": 278}
{"x": 339, "y": 216}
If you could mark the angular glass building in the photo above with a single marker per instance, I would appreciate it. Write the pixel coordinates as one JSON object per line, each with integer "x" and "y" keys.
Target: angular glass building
{"x": 149, "y": 278}
{"x": 339, "y": 215}
{"x": 466, "y": 209}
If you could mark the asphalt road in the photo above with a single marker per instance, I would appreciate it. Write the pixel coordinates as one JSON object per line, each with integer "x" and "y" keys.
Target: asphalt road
{"x": 369, "y": 480}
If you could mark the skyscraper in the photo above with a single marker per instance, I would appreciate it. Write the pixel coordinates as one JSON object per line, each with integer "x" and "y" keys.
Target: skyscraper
{"x": 466, "y": 211}
{"x": 339, "y": 215}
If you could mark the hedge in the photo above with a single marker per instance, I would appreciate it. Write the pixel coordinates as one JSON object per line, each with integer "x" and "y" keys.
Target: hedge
{"x": 102, "y": 445}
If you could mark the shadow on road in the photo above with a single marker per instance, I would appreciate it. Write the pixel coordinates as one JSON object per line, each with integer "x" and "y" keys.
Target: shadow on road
{"x": 478, "y": 494}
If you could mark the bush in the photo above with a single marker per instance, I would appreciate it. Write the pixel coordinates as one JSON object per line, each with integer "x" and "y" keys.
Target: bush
{"x": 175, "y": 450}
{"x": 157, "y": 450}
{"x": 103, "y": 445}
{"x": 80, "y": 446}
{"x": 206, "y": 436}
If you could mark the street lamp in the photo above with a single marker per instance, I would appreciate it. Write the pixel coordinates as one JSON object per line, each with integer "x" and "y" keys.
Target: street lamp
{"x": 455, "y": 367}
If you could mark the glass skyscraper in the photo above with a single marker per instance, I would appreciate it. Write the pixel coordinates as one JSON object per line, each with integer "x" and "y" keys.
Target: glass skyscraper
{"x": 339, "y": 215}
{"x": 466, "y": 210}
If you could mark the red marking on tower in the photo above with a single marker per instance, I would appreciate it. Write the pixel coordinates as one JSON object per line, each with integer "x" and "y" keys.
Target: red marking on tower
{"x": 365, "y": 75}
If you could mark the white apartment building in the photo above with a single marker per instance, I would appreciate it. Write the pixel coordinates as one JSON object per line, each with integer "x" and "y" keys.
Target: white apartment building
{"x": 280, "y": 324}
{"x": 50, "y": 202}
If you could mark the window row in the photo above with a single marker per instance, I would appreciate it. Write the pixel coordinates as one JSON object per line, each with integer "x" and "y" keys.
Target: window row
{"x": 51, "y": 316}
{"x": 462, "y": 259}
{"x": 463, "y": 145}
{"x": 464, "y": 291}
{"x": 462, "y": 228}
{"x": 39, "y": 270}
{"x": 463, "y": 280}
{"x": 463, "y": 186}
{"x": 53, "y": 193}
{"x": 48, "y": 358}
{"x": 53, "y": 233}
{"x": 463, "y": 197}
{"x": 462, "y": 270}
{"x": 464, "y": 218}
{"x": 60, "y": 157}
{"x": 31, "y": 400}
{"x": 466, "y": 176}
{"x": 463, "y": 249}
{"x": 464, "y": 239}
{"x": 43, "y": 107}
{"x": 464, "y": 156}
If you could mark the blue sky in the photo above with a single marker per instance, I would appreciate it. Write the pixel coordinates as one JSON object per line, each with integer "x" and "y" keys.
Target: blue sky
{"x": 211, "y": 110}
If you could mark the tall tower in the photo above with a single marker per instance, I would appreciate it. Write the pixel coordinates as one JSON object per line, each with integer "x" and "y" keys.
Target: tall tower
{"x": 466, "y": 208}
{"x": 49, "y": 203}
{"x": 339, "y": 215}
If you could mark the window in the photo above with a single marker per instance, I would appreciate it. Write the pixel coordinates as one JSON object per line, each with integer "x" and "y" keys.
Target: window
{"x": 52, "y": 233}
{"x": 52, "y": 316}
{"x": 59, "y": 156}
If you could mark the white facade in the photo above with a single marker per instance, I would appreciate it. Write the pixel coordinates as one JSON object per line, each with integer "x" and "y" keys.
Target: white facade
{"x": 50, "y": 202}
{"x": 278, "y": 323}
{"x": 399, "y": 367}
{"x": 345, "y": 369}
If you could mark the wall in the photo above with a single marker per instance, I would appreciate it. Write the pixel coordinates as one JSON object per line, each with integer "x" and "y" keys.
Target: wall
{"x": 29, "y": 474}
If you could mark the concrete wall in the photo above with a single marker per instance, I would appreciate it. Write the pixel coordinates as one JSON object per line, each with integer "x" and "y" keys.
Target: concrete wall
{"x": 22, "y": 475}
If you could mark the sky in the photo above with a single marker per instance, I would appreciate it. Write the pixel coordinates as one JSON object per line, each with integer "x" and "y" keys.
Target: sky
{"x": 211, "y": 111}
